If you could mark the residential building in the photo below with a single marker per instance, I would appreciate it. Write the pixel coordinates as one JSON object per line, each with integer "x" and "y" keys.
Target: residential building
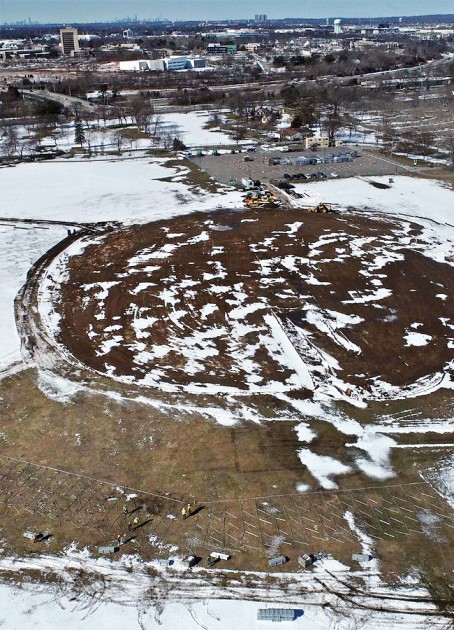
{"x": 294, "y": 135}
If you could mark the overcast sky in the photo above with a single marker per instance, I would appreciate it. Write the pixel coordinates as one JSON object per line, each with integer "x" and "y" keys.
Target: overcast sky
{"x": 102, "y": 10}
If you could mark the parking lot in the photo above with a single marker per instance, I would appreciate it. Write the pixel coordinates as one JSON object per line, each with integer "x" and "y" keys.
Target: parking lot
{"x": 258, "y": 165}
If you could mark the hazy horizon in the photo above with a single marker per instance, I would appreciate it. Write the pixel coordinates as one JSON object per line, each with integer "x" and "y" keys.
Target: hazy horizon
{"x": 79, "y": 11}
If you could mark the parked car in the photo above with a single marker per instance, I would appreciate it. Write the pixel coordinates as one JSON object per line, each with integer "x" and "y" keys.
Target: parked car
{"x": 334, "y": 175}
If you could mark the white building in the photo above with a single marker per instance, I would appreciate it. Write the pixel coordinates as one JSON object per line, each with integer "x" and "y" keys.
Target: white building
{"x": 337, "y": 27}
{"x": 160, "y": 65}
{"x": 184, "y": 63}
{"x": 252, "y": 46}
{"x": 176, "y": 63}
{"x": 142, "y": 65}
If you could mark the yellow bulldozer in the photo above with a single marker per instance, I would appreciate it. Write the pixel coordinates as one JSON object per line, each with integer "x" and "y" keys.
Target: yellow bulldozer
{"x": 321, "y": 207}
{"x": 256, "y": 198}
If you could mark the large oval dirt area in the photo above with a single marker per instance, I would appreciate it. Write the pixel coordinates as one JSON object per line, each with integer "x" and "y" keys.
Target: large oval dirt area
{"x": 262, "y": 301}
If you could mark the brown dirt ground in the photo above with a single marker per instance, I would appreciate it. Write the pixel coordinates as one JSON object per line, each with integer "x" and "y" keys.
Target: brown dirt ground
{"x": 413, "y": 281}
{"x": 243, "y": 478}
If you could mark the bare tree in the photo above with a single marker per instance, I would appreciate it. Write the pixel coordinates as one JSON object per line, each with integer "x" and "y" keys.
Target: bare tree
{"x": 142, "y": 112}
{"x": 215, "y": 119}
{"x": 155, "y": 125}
{"x": 119, "y": 140}
{"x": 167, "y": 140}
{"x": 10, "y": 142}
{"x": 447, "y": 144}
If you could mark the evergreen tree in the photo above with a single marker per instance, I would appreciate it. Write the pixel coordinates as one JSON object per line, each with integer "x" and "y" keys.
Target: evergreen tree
{"x": 178, "y": 145}
{"x": 79, "y": 133}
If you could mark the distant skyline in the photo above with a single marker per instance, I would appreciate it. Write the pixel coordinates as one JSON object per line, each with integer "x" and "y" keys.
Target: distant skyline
{"x": 78, "y": 11}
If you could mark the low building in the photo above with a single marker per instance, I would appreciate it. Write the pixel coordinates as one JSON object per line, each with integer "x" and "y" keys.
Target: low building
{"x": 130, "y": 46}
{"x": 306, "y": 560}
{"x": 361, "y": 557}
{"x": 176, "y": 63}
{"x": 292, "y": 135}
{"x": 276, "y": 614}
{"x": 142, "y": 65}
{"x": 320, "y": 142}
{"x": 160, "y": 65}
{"x": 252, "y": 46}
{"x": 197, "y": 62}
{"x": 221, "y": 49}
{"x": 23, "y": 53}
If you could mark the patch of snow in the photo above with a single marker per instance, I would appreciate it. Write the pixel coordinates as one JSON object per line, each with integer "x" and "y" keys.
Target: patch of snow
{"x": 323, "y": 467}
{"x": 378, "y": 447}
{"x": 416, "y": 339}
{"x": 304, "y": 432}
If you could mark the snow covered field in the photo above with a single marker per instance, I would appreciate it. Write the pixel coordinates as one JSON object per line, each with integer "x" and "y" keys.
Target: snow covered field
{"x": 189, "y": 128}
{"x": 122, "y": 595}
{"x": 408, "y": 196}
{"x": 20, "y": 247}
{"x": 39, "y": 607}
{"x": 111, "y": 190}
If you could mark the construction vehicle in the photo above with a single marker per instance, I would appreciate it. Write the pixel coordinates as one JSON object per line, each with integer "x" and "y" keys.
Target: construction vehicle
{"x": 267, "y": 197}
{"x": 321, "y": 208}
{"x": 255, "y": 198}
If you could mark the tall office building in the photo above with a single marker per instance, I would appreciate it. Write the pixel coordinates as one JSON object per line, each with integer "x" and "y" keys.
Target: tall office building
{"x": 337, "y": 27}
{"x": 69, "y": 41}
{"x": 261, "y": 17}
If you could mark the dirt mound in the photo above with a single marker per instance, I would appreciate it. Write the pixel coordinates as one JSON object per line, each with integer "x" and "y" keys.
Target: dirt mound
{"x": 262, "y": 301}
